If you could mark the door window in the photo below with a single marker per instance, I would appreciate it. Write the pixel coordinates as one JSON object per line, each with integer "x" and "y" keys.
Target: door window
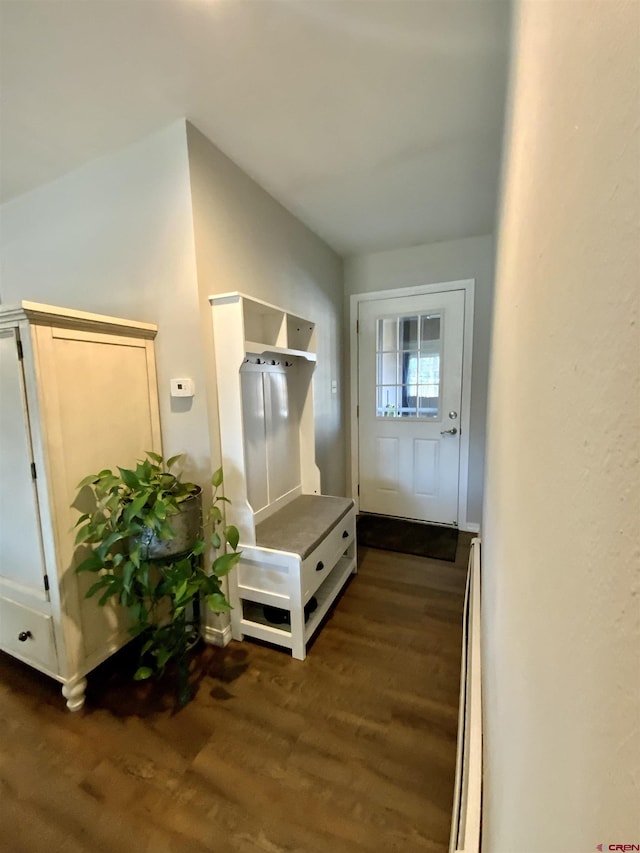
{"x": 408, "y": 361}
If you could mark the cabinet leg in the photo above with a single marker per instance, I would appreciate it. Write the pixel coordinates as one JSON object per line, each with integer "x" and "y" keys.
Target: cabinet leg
{"x": 73, "y": 692}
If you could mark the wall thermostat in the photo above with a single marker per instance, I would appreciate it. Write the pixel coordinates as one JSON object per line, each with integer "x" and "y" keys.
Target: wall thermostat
{"x": 182, "y": 388}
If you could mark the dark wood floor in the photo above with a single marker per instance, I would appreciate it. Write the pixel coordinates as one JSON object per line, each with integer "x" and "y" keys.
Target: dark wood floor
{"x": 350, "y": 750}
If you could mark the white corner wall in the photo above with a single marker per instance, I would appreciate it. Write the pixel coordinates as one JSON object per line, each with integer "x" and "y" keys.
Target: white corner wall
{"x": 246, "y": 241}
{"x": 561, "y": 568}
{"x": 116, "y": 237}
{"x": 434, "y": 263}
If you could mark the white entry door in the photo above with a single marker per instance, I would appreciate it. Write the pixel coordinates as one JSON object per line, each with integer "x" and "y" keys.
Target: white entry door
{"x": 410, "y": 354}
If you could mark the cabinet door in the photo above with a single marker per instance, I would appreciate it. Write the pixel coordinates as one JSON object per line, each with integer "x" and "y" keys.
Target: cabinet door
{"x": 100, "y": 410}
{"x": 21, "y": 560}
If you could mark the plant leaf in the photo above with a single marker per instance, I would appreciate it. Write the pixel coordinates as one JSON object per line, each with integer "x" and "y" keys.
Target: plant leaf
{"x": 93, "y": 563}
{"x": 135, "y": 506}
{"x": 223, "y": 565}
{"x": 217, "y": 478}
{"x": 155, "y": 456}
{"x": 218, "y": 603}
{"x": 216, "y": 514}
{"x": 142, "y": 673}
{"x": 83, "y": 534}
{"x": 173, "y": 459}
{"x": 232, "y": 536}
{"x": 129, "y": 478}
{"x": 88, "y": 480}
{"x": 198, "y": 548}
{"x": 163, "y": 656}
{"x": 134, "y": 556}
{"x": 103, "y": 548}
{"x": 181, "y": 591}
{"x": 127, "y": 575}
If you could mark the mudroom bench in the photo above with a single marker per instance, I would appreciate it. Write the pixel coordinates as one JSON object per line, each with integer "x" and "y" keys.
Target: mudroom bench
{"x": 285, "y": 584}
{"x": 298, "y": 546}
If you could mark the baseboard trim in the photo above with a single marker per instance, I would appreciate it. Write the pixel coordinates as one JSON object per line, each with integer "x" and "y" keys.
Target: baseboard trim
{"x": 217, "y": 636}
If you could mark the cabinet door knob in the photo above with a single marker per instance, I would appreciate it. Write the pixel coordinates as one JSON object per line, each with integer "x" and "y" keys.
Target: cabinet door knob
{"x": 320, "y": 566}
{"x": 345, "y": 534}
{"x": 23, "y": 636}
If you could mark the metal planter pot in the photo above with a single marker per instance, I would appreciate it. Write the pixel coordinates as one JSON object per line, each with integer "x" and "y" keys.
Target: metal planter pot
{"x": 186, "y": 525}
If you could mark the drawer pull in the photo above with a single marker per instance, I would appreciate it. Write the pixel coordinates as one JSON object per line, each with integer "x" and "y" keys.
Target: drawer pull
{"x": 345, "y": 534}
{"x": 320, "y": 566}
{"x": 23, "y": 636}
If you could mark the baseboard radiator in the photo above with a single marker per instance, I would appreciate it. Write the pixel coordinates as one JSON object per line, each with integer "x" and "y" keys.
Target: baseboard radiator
{"x": 467, "y": 798}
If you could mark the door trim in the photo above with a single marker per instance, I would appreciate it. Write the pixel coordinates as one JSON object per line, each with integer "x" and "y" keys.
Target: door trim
{"x": 468, "y": 286}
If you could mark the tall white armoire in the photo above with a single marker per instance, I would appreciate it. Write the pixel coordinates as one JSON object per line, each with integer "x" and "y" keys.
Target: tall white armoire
{"x": 78, "y": 393}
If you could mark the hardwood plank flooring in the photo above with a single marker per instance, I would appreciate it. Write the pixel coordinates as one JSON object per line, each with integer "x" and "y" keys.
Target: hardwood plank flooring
{"x": 350, "y": 750}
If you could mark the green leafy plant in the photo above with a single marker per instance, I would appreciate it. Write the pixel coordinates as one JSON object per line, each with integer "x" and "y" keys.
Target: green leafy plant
{"x": 132, "y": 510}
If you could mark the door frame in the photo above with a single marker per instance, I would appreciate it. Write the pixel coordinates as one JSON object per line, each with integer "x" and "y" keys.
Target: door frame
{"x": 468, "y": 286}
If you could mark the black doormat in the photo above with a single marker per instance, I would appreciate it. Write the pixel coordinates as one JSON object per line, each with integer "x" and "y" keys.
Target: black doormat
{"x": 408, "y": 537}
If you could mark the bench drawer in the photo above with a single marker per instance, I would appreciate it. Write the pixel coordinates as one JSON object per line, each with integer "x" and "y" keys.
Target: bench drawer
{"x": 319, "y": 564}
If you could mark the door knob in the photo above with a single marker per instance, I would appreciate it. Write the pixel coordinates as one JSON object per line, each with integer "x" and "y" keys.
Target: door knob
{"x": 452, "y": 431}
{"x": 23, "y": 636}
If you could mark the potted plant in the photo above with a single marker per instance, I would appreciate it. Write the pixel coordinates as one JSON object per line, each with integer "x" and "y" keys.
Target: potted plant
{"x": 145, "y": 532}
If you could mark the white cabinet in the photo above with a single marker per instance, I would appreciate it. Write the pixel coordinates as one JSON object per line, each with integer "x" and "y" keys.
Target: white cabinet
{"x": 298, "y": 547}
{"x": 77, "y": 394}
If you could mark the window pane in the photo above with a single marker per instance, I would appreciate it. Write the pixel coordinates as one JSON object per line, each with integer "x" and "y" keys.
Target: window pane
{"x": 409, "y": 401}
{"x": 388, "y": 335}
{"x": 429, "y": 380}
{"x": 429, "y": 328}
{"x": 387, "y": 368}
{"x": 388, "y": 398}
{"x": 429, "y": 401}
{"x": 408, "y": 366}
{"x": 408, "y": 333}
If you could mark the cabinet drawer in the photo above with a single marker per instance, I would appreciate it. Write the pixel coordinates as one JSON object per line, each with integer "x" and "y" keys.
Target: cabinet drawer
{"x": 37, "y": 645}
{"x": 318, "y": 565}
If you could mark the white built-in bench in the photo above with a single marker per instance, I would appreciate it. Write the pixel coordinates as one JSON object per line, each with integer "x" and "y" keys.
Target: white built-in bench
{"x": 298, "y": 546}
{"x": 303, "y": 556}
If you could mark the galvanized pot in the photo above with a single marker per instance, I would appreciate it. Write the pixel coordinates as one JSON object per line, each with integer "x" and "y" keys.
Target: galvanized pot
{"x": 186, "y": 525}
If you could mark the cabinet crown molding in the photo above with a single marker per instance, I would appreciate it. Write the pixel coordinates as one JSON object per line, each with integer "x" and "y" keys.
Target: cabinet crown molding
{"x": 49, "y": 315}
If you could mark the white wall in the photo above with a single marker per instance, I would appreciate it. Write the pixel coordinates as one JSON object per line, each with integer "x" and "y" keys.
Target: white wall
{"x": 246, "y": 241}
{"x": 432, "y": 264}
{"x": 116, "y": 237}
{"x": 561, "y": 604}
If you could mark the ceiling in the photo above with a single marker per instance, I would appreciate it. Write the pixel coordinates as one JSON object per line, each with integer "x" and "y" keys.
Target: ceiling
{"x": 377, "y": 122}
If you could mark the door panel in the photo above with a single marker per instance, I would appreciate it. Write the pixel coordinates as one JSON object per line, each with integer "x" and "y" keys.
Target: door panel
{"x": 426, "y": 454}
{"x": 21, "y": 560}
{"x": 410, "y": 387}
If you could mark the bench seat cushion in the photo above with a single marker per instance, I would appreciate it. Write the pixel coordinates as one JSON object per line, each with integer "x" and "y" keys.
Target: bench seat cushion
{"x": 301, "y": 525}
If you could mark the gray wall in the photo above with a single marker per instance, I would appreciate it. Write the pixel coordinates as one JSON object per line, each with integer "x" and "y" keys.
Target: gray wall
{"x": 246, "y": 241}
{"x": 116, "y": 237}
{"x": 561, "y": 579}
{"x": 432, "y": 264}
{"x": 147, "y": 234}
